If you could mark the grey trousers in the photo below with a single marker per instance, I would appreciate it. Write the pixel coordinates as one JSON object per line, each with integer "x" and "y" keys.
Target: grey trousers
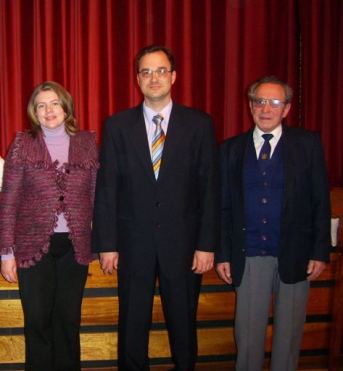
{"x": 260, "y": 281}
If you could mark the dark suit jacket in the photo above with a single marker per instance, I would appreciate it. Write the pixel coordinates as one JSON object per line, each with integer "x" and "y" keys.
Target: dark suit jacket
{"x": 305, "y": 219}
{"x": 139, "y": 216}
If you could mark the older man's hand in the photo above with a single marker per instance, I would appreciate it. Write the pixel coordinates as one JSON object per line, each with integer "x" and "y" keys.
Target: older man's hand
{"x": 314, "y": 269}
{"x": 224, "y": 272}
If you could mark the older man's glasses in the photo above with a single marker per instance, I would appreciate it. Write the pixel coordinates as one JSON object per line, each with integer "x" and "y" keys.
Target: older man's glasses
{"x": 147, "y": 73}
{"x": 261, "y": 102}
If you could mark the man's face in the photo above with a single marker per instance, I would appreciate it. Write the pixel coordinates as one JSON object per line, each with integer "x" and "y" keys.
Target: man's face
{"x": 267, "y": 118}
{"x": 156, "y": 89}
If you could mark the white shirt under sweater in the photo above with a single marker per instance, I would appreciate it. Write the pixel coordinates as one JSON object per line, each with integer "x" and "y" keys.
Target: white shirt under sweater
{"x": 258, "y": 139}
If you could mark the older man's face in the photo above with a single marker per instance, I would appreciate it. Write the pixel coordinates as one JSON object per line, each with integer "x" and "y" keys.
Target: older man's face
{"x": 267, "y": 118}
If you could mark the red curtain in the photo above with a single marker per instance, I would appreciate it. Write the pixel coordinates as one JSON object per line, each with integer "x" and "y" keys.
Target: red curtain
{"x": 322, "y": 77}
{"x": 220, "y": 47}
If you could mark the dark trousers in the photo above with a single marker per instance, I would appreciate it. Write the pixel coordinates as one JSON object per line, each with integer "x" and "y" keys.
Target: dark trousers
{"x": 51, "y": 293}
{"x": 179, "y": 295}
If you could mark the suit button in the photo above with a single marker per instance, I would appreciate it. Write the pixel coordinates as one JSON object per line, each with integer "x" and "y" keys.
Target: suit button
{"x": 264, "y": 238}
{"x": 243, "y": 229}
{"x": 263, "y": 252}
{"x": 264, "y": 220}
{"x": 158, "y": 204}
{"x": 265, "y": 184}
{"x": 243, "y": 250}
{"x": 264, "y": 173}
{"x": 158, "y": 225}
{"x": 264, "y": 200}
{"x": 67, "y": 171}
{"x": 61, "y": 198}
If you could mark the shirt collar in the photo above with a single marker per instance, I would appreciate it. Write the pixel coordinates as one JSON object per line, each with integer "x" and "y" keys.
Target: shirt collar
{"x": 257, "y": 135}
{"x": 165, "y": 112}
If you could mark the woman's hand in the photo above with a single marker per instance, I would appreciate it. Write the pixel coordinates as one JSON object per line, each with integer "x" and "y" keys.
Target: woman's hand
{"x": 9, "y": 270}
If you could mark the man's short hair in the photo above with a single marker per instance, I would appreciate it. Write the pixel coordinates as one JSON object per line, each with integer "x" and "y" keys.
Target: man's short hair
{"x": 153, "y": 49}
{"x": 270, "y": 80}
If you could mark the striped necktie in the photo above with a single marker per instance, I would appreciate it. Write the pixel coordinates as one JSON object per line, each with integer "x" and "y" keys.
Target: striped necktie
{"x": 157, "y": 144}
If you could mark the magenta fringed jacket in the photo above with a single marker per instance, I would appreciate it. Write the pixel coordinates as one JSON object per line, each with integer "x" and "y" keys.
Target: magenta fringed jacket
{"x": 35, "y": 190}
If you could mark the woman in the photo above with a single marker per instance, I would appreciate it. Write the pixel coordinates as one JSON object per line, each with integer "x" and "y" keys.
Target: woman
{"x": 45, "y": 226}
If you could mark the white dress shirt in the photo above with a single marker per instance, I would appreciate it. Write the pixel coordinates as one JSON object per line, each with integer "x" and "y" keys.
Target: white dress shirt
{"x": 258, "y": 139}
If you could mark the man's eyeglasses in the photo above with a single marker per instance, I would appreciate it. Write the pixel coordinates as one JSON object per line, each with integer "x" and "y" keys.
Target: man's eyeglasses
{"x": 147, "y": 73}
{"x": 273, "y": 103}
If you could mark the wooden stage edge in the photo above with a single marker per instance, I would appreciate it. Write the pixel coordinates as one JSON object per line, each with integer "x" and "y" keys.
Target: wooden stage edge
{"x": 308, "y": 363}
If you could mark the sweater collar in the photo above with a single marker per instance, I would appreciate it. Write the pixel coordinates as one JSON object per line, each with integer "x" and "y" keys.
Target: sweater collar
{"x": 55, "y": 133}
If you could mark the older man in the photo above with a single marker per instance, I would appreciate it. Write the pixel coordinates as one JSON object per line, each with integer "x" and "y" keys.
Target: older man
{"x": 275, "y": 219}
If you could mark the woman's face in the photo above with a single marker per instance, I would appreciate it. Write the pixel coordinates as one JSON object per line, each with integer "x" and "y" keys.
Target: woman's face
{"x": 49, "y": 111}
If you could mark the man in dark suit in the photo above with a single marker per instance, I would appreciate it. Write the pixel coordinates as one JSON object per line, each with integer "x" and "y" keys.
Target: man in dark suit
{"x": 275, "y": 219}
{"x": 156, "y": 212}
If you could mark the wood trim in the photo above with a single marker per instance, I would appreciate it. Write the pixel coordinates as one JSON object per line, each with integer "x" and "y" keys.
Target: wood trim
{"x": 212, "y": 341}
{"x": 214, "y": 306}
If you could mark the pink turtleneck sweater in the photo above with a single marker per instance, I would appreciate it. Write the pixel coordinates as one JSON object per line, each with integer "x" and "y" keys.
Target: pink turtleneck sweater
{"x": 57, "y": 141}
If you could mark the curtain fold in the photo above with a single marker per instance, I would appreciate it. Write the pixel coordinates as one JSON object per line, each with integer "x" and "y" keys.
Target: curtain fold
{"x": 322, "y": 78}
{"x": 220, "y": 46}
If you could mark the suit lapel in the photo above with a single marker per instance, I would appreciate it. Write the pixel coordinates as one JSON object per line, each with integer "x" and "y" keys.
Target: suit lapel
{"x": 175, "y": 132}
{"x": 139, "y": 141}
{"x": 289, "y": 153}
{"x": 238, "y": 160}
